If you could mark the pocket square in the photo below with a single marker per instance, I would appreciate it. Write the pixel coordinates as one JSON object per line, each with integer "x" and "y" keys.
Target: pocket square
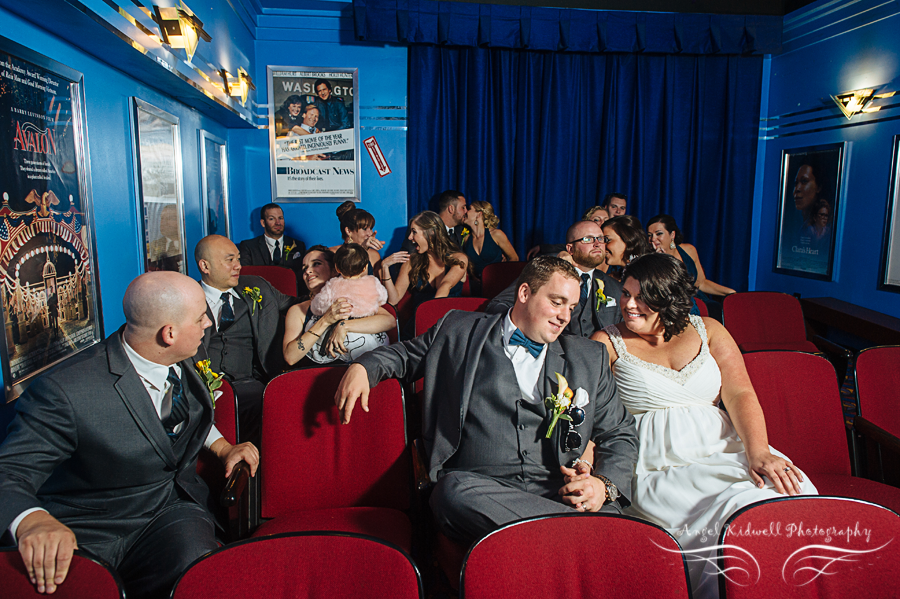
{"x": 610, "y": 302}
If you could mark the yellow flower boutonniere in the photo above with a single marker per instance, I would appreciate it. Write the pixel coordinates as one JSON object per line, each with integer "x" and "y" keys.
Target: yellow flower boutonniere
{"x": 600, "y": 296}
{"x": 559, "y": 403}
{"x": 254, "y": 295}
{"x": 289, "y": 249}
{"x": 213, "y": 380}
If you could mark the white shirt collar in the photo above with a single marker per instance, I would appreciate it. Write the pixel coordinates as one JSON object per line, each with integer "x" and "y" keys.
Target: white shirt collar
{"x": 214, "y": 296}
{"x": 507, "y": 329}
{"x": 153, "y": 373}
{"x": 585, "y": 272}
{"x": 271, "y": 243}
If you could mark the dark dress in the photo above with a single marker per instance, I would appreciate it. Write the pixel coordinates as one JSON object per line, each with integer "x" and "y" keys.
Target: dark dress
{"x": 420, "y": 293}
{"x": 490, "y": 253}
{"x": 692, "y": 270}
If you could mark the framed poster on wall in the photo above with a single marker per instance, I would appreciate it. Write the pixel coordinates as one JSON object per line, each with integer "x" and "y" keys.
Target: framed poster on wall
{"x": 808, "y": 208}
{"x": 890, "y": 253}
{"x": 48, "y": 267}
{"x": 214, "y": 185}
{"x": 157, "y": 149}
{"x": 313, "y": 134}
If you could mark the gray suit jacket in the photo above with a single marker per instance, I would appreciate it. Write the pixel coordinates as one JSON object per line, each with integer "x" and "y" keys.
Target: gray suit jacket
{"x": 266, "y": 322}
{"x": 88, "y": 446}
{"x": 447, "y": 356}
{"x": 592, "y": 320}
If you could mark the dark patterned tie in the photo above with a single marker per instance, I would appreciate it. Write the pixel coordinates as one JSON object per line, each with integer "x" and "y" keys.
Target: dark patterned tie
{"x": 534, "y": 348}
{"x": 276, "y": 255}
{"x": 179, "y": 405}
{"x": 227, "y": 315}
{"x": 585, "y": 288}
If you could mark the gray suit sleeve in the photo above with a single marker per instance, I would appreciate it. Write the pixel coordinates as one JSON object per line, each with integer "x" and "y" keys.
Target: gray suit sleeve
{"x": 404, "y": 361}
{"x": 41, "y": 436}
{"x": 614, "y": 434}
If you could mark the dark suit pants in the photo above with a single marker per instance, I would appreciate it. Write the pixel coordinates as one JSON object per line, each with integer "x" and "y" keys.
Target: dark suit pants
{"x": 468, "y": 506}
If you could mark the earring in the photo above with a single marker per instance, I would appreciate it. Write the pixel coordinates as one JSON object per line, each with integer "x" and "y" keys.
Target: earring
{"x": 671, "y": 245}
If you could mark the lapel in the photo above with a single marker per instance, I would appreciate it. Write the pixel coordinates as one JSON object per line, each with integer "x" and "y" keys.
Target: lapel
{"x": 200, "y": 393}
{"x": 555, "y": 362}
{"x": 477, "y": 338}
{"x": 251, "y": 312}
{"x": 207, "y": 333}
{"x": 136, "y": 399}
{"x": 264, "y": 251}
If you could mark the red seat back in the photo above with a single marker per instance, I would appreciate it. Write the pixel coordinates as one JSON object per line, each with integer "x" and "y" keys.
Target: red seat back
{"x": 310, "y": 461}
{"x": 87, "y": 579}
{"x": 428, "y": 313}
{"x": 800, "y": 399}
{"x": 281, "y": 278}
{"x": 761, "y": 317}
{"x": 209, "y": 466}
{"x": 701, "y": 306}
{"x": 810, "y": 548}
{"x": 302, "y": 565}
{"x": 498, "y": 276}
{"x": 877, "y": 384}
{"x": 643, "y": 561}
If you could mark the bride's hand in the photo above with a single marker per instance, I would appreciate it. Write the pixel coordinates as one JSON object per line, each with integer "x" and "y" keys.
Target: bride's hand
{"x": 784, "y": 475}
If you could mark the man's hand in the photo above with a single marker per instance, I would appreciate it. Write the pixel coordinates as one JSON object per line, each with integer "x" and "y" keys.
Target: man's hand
{"x": 533, "y": 252}
{"x": 231, "y": 455}
{"x": 582, "y": 491}
{"x": 46, "y": 547}
{"x": 354, "y": 386}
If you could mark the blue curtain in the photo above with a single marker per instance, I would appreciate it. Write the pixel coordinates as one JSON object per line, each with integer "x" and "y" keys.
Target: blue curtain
{"x": 545, "y": 135}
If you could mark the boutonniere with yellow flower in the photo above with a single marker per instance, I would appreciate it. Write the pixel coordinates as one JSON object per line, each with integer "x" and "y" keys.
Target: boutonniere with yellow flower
{"x": 254, "y": 295}
{"x": 601, "y": 297}
{"x": 213, "y": 380}
{"x": 563, "y": 401}
{"x": 464, "y": 234}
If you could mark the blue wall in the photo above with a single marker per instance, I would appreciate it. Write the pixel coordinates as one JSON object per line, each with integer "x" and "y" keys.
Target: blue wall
{"x": 325, "y": 39}
{"x": 831, "y": 47}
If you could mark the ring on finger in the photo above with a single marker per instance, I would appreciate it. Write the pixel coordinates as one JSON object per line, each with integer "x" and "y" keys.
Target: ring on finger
{"x": 788, "y": 469}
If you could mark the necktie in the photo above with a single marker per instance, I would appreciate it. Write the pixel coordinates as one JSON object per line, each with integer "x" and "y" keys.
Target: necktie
{"x": 179, "y": 404}
{"x": 520, "y": 339}
{"x": 227, "y": 315}
{"x": 276, "y": 255}
{"x": 585, "y": 288}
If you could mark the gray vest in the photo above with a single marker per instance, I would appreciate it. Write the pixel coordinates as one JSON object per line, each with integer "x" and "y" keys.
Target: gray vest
{"x": 231, "y": 351}
{"x": 582, "y": 322}
{"x": 503, "y": 435}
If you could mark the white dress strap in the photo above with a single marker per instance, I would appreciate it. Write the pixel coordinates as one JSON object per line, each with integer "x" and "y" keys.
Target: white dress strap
{"x": 616, "y": 337}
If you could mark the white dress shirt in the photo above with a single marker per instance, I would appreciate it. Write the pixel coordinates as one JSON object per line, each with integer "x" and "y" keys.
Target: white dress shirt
{"x": 270, "y": 244}
{"x": 527, "y": 367}
{"x": 214, "y": 300}
{"x": 153, "y": 376}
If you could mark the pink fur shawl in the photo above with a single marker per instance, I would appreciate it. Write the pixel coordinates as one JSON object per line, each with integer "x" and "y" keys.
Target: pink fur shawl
{"x": 366, "y": 293}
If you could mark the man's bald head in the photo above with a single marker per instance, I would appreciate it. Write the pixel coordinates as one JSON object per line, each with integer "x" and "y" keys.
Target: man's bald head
{"x": 219, "y": 262}
{"x": 207, "y": 245}
{"x": 156, "y": 299}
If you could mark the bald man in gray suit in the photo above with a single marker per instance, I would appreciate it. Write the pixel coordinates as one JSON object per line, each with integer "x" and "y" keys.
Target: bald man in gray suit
{"x": 485, "y": 421}
{"x": 102, "y": 453}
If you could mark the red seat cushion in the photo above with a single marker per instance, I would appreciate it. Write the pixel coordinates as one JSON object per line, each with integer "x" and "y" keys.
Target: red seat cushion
{"x": 384, "y": 523}
{"x": 804, "y": 346}
{"x": 858, "y": 488}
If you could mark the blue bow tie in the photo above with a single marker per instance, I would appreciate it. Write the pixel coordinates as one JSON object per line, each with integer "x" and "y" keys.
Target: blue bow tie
{"x": 519, "y": 339}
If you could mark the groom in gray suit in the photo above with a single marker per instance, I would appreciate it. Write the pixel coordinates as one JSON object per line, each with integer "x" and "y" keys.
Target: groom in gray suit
{"x": 485, "y": 422}
{"x": 102, "y": 453}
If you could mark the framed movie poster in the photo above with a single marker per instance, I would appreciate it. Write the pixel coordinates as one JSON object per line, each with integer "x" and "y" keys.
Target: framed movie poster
{"x": 214, "y": 185}
{"x": 890, "y": 258}
{"x": 48, "y": 269}
{"x": 807, "y": 216}
{"x": 313, "y": 134}
{"x": 158, "y": 181}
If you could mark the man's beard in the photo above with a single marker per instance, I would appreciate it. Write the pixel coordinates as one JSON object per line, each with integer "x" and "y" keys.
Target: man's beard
{"x": 587, "y": 260}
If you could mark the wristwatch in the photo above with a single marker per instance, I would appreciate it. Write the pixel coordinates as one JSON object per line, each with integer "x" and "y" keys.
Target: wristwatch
{"x": 612, "y": 493}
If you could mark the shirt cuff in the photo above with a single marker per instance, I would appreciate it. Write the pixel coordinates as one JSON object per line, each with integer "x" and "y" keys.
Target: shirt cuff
{"x": 213, "y": 436}
{"x": 15, "y": 523}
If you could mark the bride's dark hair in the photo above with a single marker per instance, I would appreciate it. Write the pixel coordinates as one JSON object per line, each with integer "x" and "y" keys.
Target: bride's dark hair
{"x": 666, "y": 288}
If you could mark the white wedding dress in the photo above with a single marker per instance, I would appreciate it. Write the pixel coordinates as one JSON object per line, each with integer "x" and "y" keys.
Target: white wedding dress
{"x": 691, "y": 472}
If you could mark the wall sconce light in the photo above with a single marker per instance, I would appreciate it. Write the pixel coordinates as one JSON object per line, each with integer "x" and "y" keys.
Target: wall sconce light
{"x": 180, "y": 29}
{"x": 238, "y": 87}
{"x": 854, "y": 102}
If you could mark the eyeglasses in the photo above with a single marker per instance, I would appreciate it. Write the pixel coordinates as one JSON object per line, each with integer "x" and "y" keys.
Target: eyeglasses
{"x": 573, "y": 437}
{"x": 590, "y": 239}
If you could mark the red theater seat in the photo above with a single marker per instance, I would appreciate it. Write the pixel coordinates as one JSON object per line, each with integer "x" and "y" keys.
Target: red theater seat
{"x": 281, "y": 278}
{"x": 762, "y": 320}
{"x": 88, "y": 578}
{"x": 498, "y": 276}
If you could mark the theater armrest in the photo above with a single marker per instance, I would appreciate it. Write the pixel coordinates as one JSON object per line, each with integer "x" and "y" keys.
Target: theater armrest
{"x": 420, "y": 468}
{"x": 881, "y": 451}
{"x": 236, "y": 484}
{"x": 877, "y": 434}
{"x": 838, "y": 355}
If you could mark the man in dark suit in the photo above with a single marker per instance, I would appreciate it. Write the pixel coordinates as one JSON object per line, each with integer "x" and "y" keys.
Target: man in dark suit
{"x": 273, "y": 247}
{"x": 102, "y": 453}
{"x": 485, "y": 422}
{"x": 248, "y": 317}
{"x": 599, "y": 296}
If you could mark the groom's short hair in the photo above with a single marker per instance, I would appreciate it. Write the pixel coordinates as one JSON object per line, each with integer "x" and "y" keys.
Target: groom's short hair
{"x": 537, "y": 272}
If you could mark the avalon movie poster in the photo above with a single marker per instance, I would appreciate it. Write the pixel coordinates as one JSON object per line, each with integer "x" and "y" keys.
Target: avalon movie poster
{"x": 47, "y": 267}
{"x": 314, "y": 134}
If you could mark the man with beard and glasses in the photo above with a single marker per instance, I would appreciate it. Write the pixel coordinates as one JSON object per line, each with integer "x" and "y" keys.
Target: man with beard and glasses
{"x": 598, "y": 303}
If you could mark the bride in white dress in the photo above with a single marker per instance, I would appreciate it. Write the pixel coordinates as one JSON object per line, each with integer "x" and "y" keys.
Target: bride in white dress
{"x": 697, "y": 464}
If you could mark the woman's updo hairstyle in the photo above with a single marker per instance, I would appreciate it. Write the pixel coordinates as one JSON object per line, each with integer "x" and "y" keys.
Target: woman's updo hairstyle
{"x": 487, "y": 214}
{"x": 666, "y": 288}
{"x": 353, "y": 218}
{"x": 669, "y": 225}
